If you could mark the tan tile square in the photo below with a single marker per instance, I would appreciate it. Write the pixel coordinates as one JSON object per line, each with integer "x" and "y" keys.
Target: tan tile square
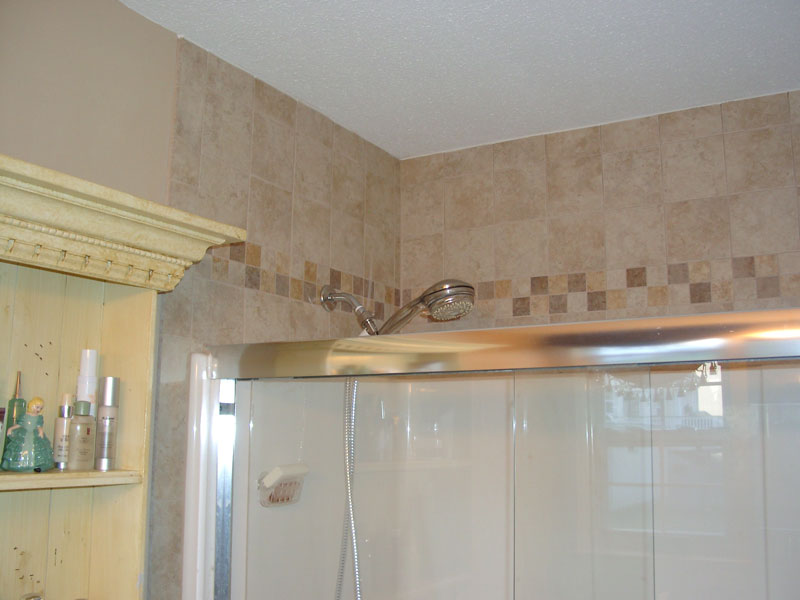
{"x": 282, "y": 263}
{"x": 634, "y": 236}
{"x": 521, "y": 286}
{"x": 313, "y": 169}
{"x": 347, "y": 245}
{"x": 678, "y": 294}
{"x": 678, "y": 273}
{"x": 767, "y": 287}
{"x": 743, "y": 266}
{"x": 520, "y": 193}
{"x": 596, "y": 281}
{"x": 693, "y": 168}
{"x": 577, "y": 142}
{"x": 504, "y": 307}
{"x": 485, "y": 290}
{"x": 274, "y": 104}
{"x": 519, "y": 154}
{"x": 502, "y": 288}
{"x": 721, "y": 270}
{"x": 657, "y": 275}
{"x": 539, "y": 285}
{"x": 414, "y": 171}
{"x": 766, "y": 265}
{"x": 789, "y": 263}
{"x": 558, "y": 284}
{"x": 632, "y": 178}
{"x": 314, "y": 125}
{"x": 468, "y": 201}
{"x": 616, "y": 299}
{"x": 468, "y": 161}
{"x": 226, "y": 138}
{"x": 698, "y": 230}
{"x": 423, "y": 261}
{"x": 576, "y": 302}
{"x": 223, "y": 192}
{"x": 252, "y": 255}
{"x": 755, "y": 112}
{"x": 267, "y": 281}
{"x": 348, "y": 143}
{"x": 759, "y": 159}
{"x": 269, "y": 216}
{"x": 722, "y": 291}
{"x": 311, "y": 232}
{"x": 630, "y": 135}
{"x": 744, "y": 289}
{"x": 764, "y": 222}
{"x": 520, "y": 248}
{"x": 637, "y": 297}
{"x": 540, "y": 305}
{"x": 558, "y": 303}
{"x": 574, "y": 184}
{"x": 185, "y": 161}
{"x": 692, "y": 123}
{"x": 347, "y": 283}
{"x": 422, "y": 209}
{"x": 469, "y": 254}
{"x": 348, "y": 186}
{"x": 699, "y": 271}
{"x": 658, "y": 296}
{"x": 794, "y": 106}
{"x": 616, "y": 278}
{"x": 790, "y": 285}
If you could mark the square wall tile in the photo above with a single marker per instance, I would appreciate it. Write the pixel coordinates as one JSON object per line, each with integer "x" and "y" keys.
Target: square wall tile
{"x": 348, "y": 186}
{"x": 755, "y": 112}
{"x": 634, "y": 236}
{"x": 697, "y": 230}
{"x": 519, "y": 154}
{"x": 577, "y": 142}
{"x": 269, "y": 216}
{"x": 520, "y": 193}
{"x": 468, "y": 201}
{"x": 520, "y": 248}
{"x": 693, "y": 168}
{"x": 759, "y": 159}
{"x": 274, "y": 104}
{"x": 689, "y": 124}
{"x": 630, "y": 135}
{"x": 632, "y": 178}
{"x": 422, "y": 209}
{"x": 273, "y": 151}
{"x": 469, "y": 254}
{"x": 423, "y": 261}
{"x": 574, "y": 184}
{"x": 576, "y": 243}
{"x": 764, "y": 222}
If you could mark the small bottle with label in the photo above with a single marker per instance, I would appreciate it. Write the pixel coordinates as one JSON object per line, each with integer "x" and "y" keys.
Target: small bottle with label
{"x": 61, "y": 432}
{"x": 81, "y": 439}
{"x": 106, "y": 441}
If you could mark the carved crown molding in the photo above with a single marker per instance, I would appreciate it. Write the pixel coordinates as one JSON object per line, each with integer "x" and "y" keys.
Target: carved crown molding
{"x": 59, "y": 222}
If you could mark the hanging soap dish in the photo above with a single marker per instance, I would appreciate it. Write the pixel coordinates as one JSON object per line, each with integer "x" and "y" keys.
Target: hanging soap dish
{"x": 282, "y": 485}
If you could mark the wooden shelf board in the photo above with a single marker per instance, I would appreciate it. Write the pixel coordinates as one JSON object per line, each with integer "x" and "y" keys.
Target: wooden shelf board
{"x": 69, "y": 479}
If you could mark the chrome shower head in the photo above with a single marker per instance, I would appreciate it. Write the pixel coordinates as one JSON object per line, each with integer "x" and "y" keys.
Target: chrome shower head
{"x": 445, "y": 300}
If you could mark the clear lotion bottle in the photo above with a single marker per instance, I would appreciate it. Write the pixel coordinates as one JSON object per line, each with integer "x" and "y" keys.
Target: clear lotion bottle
{"x": 61, "y": 433}
{"x": 107, "y": 409}
{"x": 81, "y": 439}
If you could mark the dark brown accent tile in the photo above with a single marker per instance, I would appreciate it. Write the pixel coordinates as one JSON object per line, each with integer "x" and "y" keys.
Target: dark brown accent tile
{"x": 596, "y": 301}
{"x": 358, "y": 285}
{"x": 238, "y": 252}
{"x": 296, "y": 289}
{"x": 396, "y": 297}
{"x": 558, "y": 303}
{"x": 700, "y": 292}
{"x": 502, "y": 288}
{"x": 336, "y": 279}
{"x": 282, "y": 263}
{"x": 407, "y": 296}
{"x": 743, "y": 266}
{"x": 768, "y": 287}
{"x": 576, "y": 282}
{"x": 282, "y": 284}
{"x": 380, "y": 311}
{"x": 636, "y": 277}
{"x": 252, "y": 255}
{"x": 485, "y": 290}
{"x": 678, "y": 273}
{"x": 521, "y": 307}
{"x": 310, "y": 271}
{"x": 252, "y": 278}
{"x": 539, "y": 285}
{"x": 309, "y": 292}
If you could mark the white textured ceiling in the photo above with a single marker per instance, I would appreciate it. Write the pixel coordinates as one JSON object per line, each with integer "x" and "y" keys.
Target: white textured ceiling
{"x": 417, "y": 77}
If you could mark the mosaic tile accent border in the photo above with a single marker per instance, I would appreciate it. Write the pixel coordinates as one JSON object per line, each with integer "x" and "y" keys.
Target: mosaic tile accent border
{"x": 256, "y": 267}
{"x": 740, "y": 283}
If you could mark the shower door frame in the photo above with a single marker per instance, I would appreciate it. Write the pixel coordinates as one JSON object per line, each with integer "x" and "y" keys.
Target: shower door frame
{"x": 740, "y": 336}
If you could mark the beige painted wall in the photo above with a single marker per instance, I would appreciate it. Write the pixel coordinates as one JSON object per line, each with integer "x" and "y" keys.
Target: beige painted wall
{"x": 88, "y": 88}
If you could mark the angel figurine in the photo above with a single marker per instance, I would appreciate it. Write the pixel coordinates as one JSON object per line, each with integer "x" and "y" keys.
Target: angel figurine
{"x": 27, "y": 446}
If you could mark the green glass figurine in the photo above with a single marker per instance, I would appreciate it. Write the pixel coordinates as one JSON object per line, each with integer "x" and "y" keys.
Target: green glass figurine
{"x": 27, "y": 447}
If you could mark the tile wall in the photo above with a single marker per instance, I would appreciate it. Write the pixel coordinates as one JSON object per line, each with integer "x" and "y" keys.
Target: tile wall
{"x": 312, "y": 196}
{"x": 685, "y": 212}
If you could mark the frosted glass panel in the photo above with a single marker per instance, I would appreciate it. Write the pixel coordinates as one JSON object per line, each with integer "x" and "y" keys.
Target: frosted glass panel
{"x": 433, "y": 488}
{"x": 583, "y": 486}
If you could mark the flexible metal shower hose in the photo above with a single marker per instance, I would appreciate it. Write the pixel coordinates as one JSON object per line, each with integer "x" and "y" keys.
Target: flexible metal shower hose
{"x": 349, "y": 524}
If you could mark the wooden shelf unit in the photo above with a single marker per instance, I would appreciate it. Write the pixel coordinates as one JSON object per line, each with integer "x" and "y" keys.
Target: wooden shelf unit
{"x": 80, "y": 266}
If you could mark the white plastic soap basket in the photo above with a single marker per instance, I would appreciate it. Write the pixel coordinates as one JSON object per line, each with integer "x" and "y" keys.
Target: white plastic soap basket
{"x": 282, "y": 485}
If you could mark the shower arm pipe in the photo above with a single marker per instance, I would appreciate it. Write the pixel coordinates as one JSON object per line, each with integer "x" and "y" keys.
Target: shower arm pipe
{"x": 330, "y": 296}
